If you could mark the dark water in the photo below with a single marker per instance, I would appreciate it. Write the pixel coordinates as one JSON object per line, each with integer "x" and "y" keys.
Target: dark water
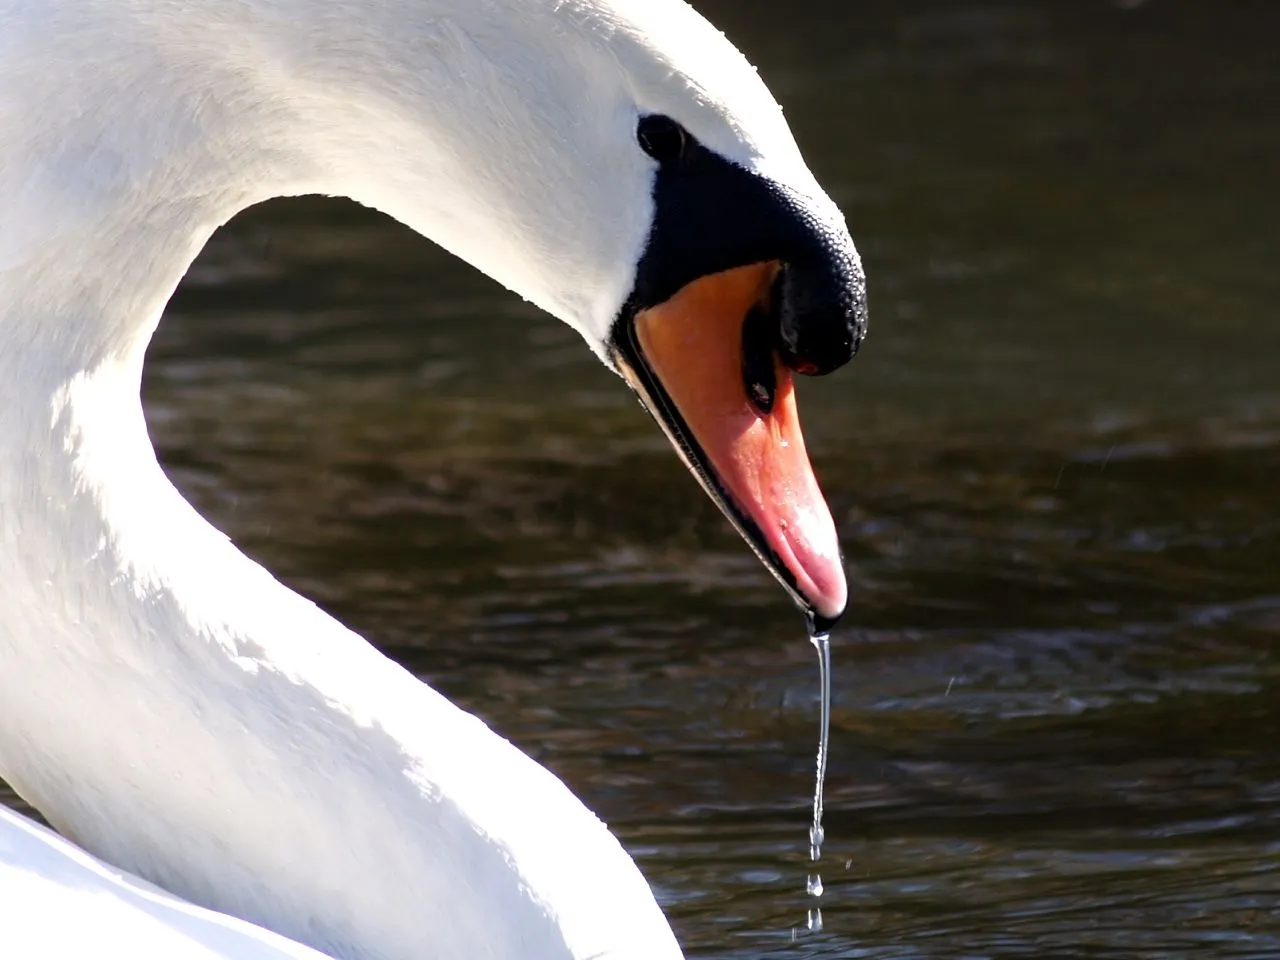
{"x": 1056, "y": 729}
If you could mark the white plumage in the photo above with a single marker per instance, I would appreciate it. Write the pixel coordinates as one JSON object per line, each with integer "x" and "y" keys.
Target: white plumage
{"x": 165, "y": 702}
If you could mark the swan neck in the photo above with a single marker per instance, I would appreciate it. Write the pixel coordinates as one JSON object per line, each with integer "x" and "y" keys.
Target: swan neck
{"x": 164, "y": 701}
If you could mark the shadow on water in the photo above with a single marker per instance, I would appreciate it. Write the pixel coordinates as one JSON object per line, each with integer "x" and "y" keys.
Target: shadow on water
{"x": 1057, "y": 701}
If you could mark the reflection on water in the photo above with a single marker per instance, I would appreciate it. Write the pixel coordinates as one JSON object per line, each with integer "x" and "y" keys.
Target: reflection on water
{"x": 1057, "y": 703}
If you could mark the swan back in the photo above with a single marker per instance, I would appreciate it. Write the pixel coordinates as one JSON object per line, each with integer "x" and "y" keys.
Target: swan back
{"x": 59, "y": 902}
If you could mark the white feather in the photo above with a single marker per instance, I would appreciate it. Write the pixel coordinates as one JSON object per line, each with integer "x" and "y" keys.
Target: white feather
{"x": 58, "y": 902}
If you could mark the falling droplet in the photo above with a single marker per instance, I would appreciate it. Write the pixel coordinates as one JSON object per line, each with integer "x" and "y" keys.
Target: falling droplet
{"x": 822, "y": 644}
{"x": 816, "y": 835}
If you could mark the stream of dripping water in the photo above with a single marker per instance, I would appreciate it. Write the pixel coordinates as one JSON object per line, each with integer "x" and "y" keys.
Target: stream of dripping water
{"x": 822, "y": 644}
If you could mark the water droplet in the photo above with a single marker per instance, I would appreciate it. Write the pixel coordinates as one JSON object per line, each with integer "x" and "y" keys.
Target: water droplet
{"x": 817, "y": 835}
{"x": 822, "y": 644}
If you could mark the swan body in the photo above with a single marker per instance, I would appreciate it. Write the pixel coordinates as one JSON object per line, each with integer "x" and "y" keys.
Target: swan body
{"x": 165, "y": 703}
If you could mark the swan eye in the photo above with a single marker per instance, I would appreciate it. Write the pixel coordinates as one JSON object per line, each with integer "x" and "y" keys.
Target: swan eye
{"x": 661, "y": 138}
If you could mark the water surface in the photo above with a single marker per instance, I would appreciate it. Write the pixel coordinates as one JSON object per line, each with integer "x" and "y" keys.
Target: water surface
{"x": 1056, "y": 728}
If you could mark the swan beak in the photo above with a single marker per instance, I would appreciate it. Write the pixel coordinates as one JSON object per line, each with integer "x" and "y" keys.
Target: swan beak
{"x": 706, "y": 366}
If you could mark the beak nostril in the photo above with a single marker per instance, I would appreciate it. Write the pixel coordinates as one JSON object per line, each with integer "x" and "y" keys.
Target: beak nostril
{"x": 761, "y": 397}
{"x": 759, "y": 375}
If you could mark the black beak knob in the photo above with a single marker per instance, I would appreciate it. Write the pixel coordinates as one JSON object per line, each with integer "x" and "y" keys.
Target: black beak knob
{"x": 822, "y": 313}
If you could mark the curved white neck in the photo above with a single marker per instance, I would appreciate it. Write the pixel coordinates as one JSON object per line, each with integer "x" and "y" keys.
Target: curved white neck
{"x": 164, "y": 701}
{"x": 462, "y": 120}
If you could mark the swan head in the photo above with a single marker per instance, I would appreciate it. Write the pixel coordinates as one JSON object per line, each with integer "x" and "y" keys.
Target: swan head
{"x": 745, "y": 277}
{"x": 620, "y": 164}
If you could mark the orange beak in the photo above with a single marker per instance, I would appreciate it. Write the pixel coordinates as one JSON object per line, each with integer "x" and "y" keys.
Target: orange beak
{"x": 719, "y": 392}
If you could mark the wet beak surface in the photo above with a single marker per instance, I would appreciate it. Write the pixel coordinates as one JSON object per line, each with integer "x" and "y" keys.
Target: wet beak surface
{"x": 741, "y": 440}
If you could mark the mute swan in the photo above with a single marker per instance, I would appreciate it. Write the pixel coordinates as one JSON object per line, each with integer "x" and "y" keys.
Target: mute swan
{"x": 164, "y": 702}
